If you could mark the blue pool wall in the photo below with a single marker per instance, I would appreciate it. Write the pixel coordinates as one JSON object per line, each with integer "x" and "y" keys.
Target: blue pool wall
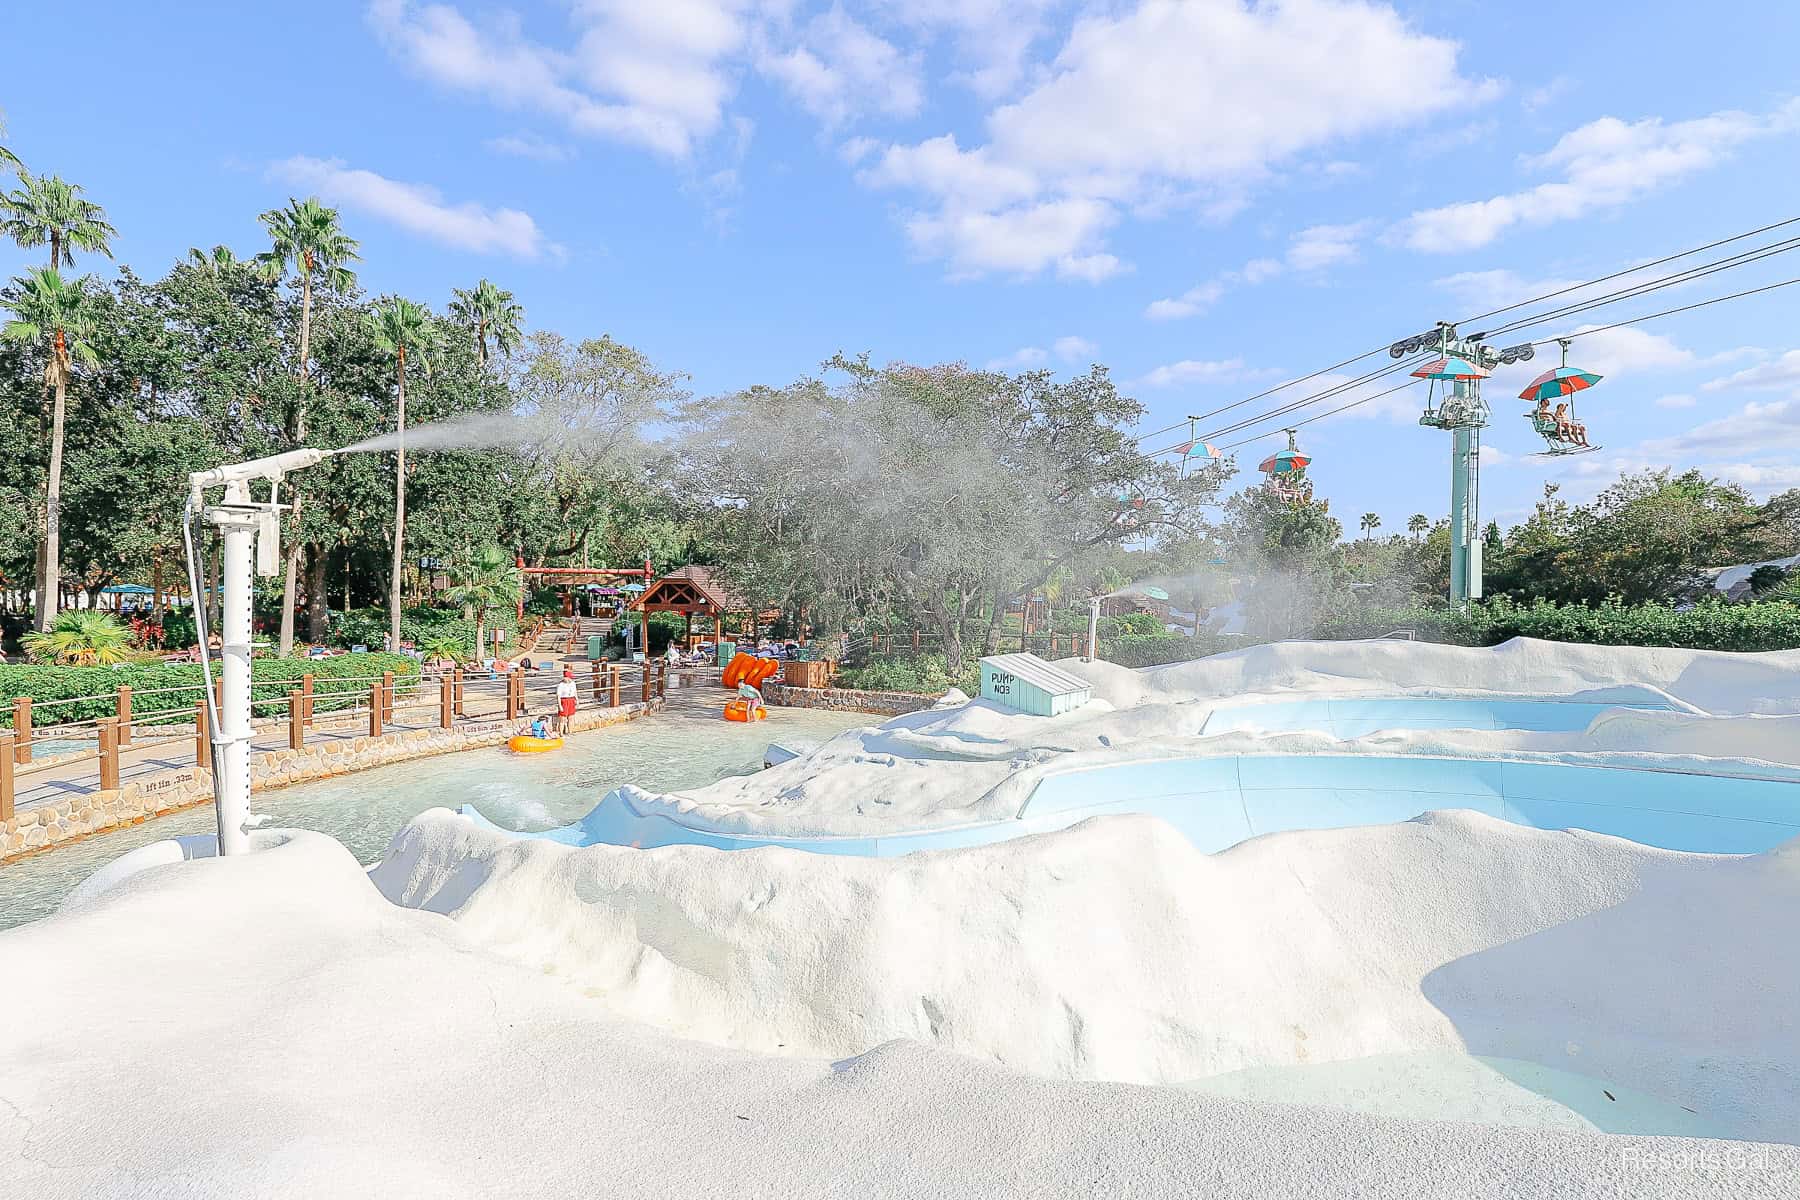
{"x": 1217, "y": 801}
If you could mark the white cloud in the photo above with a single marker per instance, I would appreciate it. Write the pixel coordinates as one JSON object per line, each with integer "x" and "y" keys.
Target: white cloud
{"x": 1782, "y": 372}
{"x": 1677, "y": 400}
{"x": 1021, "y": 240}
{"x": 1491, "y": 289}
{"x": 1312, "y": 249}
{"x": 1190, "y": 370}
{"x": 1323, "y": 246}
{"x": 654, "y": 75}
{"x": 1491, "y": 455}
{"x": 1604, "y": 164}
{"x": 1195, "y": 300}
{"x": 1754, "y": 430}
{"x": 529, "y": 145}
{"x": 1025, "y": 358}
{"x": 417, "y": 207}
{"x": 1070, "y": 349}
{"x": 838, "y": 69}
{"x": 990, "y": 37}
{"x": 1132, "y": 112}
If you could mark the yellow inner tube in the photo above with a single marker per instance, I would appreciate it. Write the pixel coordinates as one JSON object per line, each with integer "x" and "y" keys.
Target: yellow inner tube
{"x": 526, "y": 744}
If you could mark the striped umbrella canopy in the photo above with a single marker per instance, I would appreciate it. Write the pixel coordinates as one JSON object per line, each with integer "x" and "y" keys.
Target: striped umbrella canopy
{"x": 1557, "y": 383}
{"x": 1284, "y": 462}
{"x": 1451, "y": 367}
{"x": 1204, "y": 450}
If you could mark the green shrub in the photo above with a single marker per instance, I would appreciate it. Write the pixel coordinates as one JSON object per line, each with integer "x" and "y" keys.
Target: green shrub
{"x": 926, "y": 675}
{"x": 1163, "y": 648}
{"x": 369, "y": 627}
{"x": 335, "y": 686}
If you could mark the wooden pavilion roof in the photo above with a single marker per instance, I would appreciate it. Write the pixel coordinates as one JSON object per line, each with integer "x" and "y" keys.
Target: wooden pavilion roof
{"x": 688, "y": 590}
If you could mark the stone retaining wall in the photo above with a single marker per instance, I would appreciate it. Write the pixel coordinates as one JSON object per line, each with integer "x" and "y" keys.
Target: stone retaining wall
{"x": 887, "y": 704}
{"x": 44, "y": 826}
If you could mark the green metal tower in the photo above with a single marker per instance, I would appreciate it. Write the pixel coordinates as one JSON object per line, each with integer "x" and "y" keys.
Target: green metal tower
{"x": 1461, "y": 365}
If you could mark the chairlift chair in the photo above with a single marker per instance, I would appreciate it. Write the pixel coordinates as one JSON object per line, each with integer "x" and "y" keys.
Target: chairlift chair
{"x": 1285, "y": 471}
{"x": 1559, "y": 383}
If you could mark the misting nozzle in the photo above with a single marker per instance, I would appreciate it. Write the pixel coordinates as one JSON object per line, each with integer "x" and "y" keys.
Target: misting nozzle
{"x": 271, "y": 468}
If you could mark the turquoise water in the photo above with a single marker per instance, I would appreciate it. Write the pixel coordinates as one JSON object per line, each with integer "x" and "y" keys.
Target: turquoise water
{"x": 1219, "y": 800}
{"x": 533, "y": 791}
{"x": 1449, "y": 1086}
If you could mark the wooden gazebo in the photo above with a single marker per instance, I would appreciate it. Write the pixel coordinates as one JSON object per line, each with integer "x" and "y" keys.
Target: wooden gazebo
{"x": 693, "y": 591}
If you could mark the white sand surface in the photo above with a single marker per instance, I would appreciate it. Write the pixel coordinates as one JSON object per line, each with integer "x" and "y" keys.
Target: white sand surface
{"x": 270, "y": 1025}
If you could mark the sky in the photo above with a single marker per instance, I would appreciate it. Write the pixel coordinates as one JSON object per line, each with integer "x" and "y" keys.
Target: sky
{"x": 1209, "y": 197}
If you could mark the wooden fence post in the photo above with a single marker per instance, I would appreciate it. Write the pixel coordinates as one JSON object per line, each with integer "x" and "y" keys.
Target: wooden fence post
{"x": 375, "y": 709}
{"x": 6, "y": 776}
{"x": 594, "y": 671}
{"x": 306, "y": 696}
{"x": 202, "y": 737}
{"x": 296, "y": 720}
{"x": 387, "y": 696}
{"x": 124, "y": 707}
{"x": 615, "y": 672}
{"x": 646, "y": 681}
{"x": 446, "y": 700}
{"x": 915, "y": 641}
{"x": 456, "y": 676}
{"x": 109, "y": 753}
{"x": 22, "y": 729}
{"x": 662, "y": 677}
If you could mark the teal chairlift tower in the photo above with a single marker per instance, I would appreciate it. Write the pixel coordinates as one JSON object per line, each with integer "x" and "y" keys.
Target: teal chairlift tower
{"x": 1454, "y": 403}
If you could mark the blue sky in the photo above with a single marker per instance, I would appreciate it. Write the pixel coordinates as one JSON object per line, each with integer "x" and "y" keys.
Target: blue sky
{"x": 1209, "y": 197}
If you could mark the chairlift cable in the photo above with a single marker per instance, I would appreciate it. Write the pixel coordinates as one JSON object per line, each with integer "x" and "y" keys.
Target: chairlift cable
{"x": 1576, "y": 287}
{"x": 1667, "y": 312}
{"x": 1645, "y": 288}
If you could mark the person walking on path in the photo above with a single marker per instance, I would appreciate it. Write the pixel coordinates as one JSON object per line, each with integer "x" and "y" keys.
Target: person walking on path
{"x": 565, "y": 701}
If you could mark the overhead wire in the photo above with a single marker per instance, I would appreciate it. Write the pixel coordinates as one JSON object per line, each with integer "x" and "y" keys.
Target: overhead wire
{"x": 1644, "y": 288}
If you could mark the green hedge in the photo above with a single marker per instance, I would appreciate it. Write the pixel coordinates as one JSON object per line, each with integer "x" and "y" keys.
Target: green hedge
{"x": 1709, "y": 625}
{"x": 271, "y": 680}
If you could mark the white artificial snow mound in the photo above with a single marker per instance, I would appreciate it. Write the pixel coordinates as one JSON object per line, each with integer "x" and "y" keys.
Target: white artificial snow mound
{"x": 1711, "y": 680}
{"x": 1117, "y": 951}
{"x": 269, "y": 1026}
{"x": 957, "y": 764}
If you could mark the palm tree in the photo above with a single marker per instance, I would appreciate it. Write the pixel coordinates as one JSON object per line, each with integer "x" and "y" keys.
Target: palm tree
{"x": 217, "y": 261}
{"x": 1417, "y": 524}
{"x": 82, "y": 637}
{"x": 307, "y": 237}
{"x": 1370, "y": 523}
{"x": 488, "y": 311}
{"x": 401, "y": 328}
{"x": 489, "y": 581}
{"x": 7, "y": 157}
{"x": 46, "y": 210}
{"x": 61, "y": 315}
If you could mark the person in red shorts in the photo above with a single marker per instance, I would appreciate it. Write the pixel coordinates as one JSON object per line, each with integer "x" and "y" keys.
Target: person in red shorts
{"x": 565, "y": 701}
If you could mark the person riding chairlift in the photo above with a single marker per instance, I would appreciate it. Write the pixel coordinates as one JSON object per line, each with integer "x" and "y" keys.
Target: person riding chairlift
{"x": 1567, "y": 428}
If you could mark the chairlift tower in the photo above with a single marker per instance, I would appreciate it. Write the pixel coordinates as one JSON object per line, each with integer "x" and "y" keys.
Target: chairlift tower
{"x": 1461, "y": 365}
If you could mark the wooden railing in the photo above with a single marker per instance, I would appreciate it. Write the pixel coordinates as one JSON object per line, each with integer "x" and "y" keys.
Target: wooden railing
{"x": 405, "y": 702}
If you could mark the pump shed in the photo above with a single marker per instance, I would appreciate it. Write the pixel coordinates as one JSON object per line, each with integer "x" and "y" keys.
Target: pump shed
{"x": 1028, "y": 684}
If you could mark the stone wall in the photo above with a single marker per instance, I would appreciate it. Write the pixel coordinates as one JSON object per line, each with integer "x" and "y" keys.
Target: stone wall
{"x": 47, "y": 825}
{"x": 887, "y": 704}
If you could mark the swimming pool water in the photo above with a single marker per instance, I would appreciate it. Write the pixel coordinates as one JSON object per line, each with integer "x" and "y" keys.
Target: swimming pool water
{"x": 529, "y": 792}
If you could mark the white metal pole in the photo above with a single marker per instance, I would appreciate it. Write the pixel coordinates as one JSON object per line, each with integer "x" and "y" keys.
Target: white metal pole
{"x": 1093, "y": 650}
{"x": 233, "y": 793}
